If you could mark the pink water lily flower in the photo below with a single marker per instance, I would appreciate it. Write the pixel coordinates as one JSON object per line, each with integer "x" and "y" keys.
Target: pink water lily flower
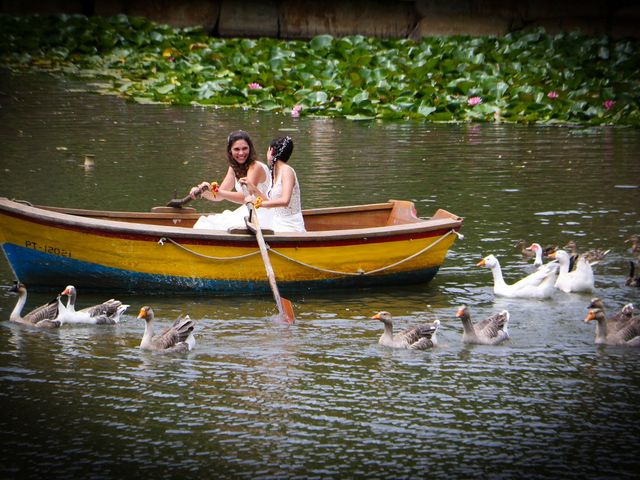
{"x": 473, "y": 101}
{"x": 608, "y": 104}
{"x": 254, "y": 86}
{"x": 295, "y": 111}
{"x": 552, "y": 95}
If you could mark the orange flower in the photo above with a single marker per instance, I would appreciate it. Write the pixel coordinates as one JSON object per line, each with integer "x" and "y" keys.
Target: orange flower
{"x": 214, "y": 188}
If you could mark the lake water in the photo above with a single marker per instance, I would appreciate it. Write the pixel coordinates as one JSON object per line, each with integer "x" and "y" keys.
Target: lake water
{"x": 321, "y": 398}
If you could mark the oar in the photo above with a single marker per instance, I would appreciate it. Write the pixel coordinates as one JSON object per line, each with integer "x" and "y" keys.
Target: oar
{"x": 285, "y": 308}
{"x": 180, "y": 202}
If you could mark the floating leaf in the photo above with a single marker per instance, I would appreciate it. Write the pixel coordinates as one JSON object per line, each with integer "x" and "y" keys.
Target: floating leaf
{"x": 425, "y": 109}
{"x": 166, "y": 88}
{"x": 352, "y": 76}
{"x": 501, "y": 88}
{"x": 144, "y": 100}
{"x": 317, "y": 97}
{"x": 320, "y": 42}
{"x": 361, "y": 97}
{"x": 360, "y": 117}
{"x": 442, "y": 116}
{"x": 268, "y": 105}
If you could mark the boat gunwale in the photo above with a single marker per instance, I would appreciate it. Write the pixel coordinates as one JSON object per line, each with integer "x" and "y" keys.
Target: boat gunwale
{"x": 191, "y": 213}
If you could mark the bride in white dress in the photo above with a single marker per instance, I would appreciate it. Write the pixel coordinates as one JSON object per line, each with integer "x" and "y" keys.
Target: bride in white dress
{"x": 243, "y": 163}
{"x": 283, "y": 199}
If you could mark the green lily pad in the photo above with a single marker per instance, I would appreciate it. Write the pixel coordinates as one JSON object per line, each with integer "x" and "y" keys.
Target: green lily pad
{"x": 353, "y": 76}
{"x": 360, "y": 117}
{"x": 165, "y": 88}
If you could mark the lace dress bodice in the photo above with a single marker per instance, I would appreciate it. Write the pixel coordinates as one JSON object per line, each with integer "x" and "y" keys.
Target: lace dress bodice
{"x": 289, "y": 218}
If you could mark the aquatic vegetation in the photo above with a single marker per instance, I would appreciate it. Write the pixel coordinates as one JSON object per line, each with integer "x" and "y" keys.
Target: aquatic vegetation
{"x": 473, "y": 101}
{"x": 295, "y": 111}
{"x": 525, "y": 77}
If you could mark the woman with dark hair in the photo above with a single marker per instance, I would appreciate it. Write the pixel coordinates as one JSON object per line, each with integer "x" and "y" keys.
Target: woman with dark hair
{"x": 243, "y": 163}
{"x": 283, "y": 198}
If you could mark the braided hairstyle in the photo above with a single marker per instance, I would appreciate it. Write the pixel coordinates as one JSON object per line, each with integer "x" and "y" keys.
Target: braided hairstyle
{"x": 240, "y": 170}
{"x": 282, "y": 150}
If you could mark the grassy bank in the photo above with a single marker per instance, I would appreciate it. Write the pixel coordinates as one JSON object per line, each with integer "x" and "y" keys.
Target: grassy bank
{"x": 528, "y": 77}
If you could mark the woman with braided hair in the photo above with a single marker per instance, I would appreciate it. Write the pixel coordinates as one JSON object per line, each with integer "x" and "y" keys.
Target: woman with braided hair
{"x": 283, "y": 198}
{"x": 243, "y": 163}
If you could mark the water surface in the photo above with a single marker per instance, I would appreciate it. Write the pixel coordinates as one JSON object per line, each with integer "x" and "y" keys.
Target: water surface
{"x": 321, "y": 399}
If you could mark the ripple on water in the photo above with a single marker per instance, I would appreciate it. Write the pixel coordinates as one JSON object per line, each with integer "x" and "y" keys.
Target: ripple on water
{"x": 321, "y": 399}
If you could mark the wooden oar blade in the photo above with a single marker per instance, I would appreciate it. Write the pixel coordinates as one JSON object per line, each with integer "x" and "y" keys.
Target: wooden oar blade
{"x": 179, "y": 202}
{"x": 287, "y": 311}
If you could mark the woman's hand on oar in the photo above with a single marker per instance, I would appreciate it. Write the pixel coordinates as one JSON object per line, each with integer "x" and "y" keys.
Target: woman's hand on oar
{"x": 197, "y": 191}
{"x": 194, "y": 193}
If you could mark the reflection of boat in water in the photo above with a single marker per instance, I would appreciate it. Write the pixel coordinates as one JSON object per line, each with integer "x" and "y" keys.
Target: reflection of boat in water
{"x": 352, "y": 246}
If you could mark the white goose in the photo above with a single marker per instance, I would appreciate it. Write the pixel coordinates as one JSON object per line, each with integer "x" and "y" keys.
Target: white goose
{"x": 105, "y": 313}
{"x": 45, "y": 316}
{"x": 178, "y": 338}
{"x": 537, "y": 285}
{"x": 578, "y": 280}
{"x": 628, "y": 335}
{"x": 490, "y": 331}
{"x": 537, "y": 251}
{"x": 415, "y": 338}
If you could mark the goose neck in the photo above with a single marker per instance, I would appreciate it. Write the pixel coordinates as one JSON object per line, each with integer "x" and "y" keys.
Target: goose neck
{"x": 71, "y": 301}
{"x": 148, "y": 332}
{"x": 601, "y": 330}
{"x": 388, "y": 329}
{"x": 467, "y": 325}
{"x": 498, "y": 279}
{"x": 17, "y": 310}
{"x": 387, "y": 336}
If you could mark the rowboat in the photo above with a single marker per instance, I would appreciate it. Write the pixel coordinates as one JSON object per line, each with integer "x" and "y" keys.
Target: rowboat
{"x": 159, "y": 251}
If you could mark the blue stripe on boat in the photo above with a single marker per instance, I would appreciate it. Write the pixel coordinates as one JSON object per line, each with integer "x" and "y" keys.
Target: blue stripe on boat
{"x": 43, "y": 271}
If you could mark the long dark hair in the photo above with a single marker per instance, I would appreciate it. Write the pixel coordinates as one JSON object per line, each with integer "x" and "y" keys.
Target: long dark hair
{"x": 282, "y": 150}
{"x": 240, "y": 170}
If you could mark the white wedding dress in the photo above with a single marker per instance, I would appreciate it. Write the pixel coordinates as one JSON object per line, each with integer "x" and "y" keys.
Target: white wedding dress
{"x": 289, "y": 218}
{"x": 235, "y": 218}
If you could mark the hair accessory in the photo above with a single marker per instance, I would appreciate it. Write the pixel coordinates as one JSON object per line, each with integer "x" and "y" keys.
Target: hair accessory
{"x": 280, "y": 151}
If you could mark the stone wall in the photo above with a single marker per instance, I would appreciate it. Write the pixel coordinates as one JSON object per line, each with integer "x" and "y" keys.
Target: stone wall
{"x": 303, "y": 19}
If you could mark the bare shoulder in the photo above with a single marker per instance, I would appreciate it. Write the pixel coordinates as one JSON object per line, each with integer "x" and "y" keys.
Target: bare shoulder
{"x": 257, "y": 171}
{"x": 288, "y": 170}
{"x": 229, "y": 180}
{"x": 230, "y": 173}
